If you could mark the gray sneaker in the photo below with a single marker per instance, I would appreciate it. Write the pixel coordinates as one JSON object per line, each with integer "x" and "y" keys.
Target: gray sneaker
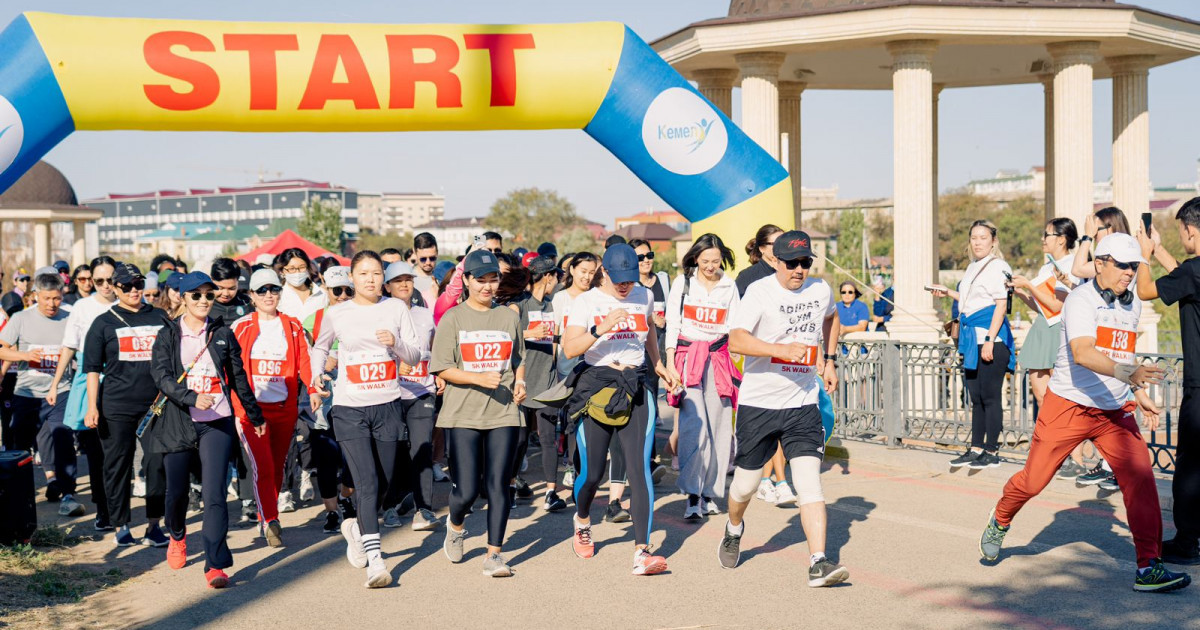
{"x": 826, "y": 573}
{"x": 355, "y": 554}
{"x": 496, "y": 566}
{"x": 424, "y": 520}
{"x": 70, "y": 507}
{"x": 454, "y": 544}
{"x": 377, "y": 574}
{"x": 730, "y": 551}
{"x": 391, "y": 518}
{"x": 992, "y": 539}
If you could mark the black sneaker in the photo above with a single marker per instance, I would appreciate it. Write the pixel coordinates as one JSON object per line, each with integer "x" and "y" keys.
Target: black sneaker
{"x": 985, "y": 460}
{"x": 102, "y": 524}
{"x": 249, "y": 514}
{"x": 1109, "y": 484}
{"x": 1157, "y": 579}
{"x": 347, "y": 506}
{"x": 1093, "y": 476}
{"x": 614, "y": 513}
{"x": 730, "y": 551}
{"x": 554, "y": 502}
{"x": 155, "y": 537}
{"x": 965, "y": 459}
{"x": 333, "y": 523}
{"x": 523, "y": 489}
{"x": 1177, "y": 551}
{"x": 826, "y": 573}
{"x": 1070, "y": 470}
{"x": 124, "y": 538}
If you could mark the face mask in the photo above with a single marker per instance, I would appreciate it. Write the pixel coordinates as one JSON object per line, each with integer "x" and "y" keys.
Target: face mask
{"x": 296, "y": 279}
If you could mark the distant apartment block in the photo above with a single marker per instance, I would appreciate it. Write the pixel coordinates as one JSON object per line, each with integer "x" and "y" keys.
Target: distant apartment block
{"x": 670, "y": 218}
{"x": 398, "y": 212}
{"x": 454, "y": 235}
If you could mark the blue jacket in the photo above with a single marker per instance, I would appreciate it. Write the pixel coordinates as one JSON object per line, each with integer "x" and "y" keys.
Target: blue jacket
{"x": 968, "y": 345}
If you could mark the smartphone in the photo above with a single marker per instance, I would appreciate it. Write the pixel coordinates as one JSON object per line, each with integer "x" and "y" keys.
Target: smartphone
{"x": 478, "y": 240}
{"x": 1054, "y": 263}
{"x": 930, "y": 288}
{"x": 1146, "y": 220}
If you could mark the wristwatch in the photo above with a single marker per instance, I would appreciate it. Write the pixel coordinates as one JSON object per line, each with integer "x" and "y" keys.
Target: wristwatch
{"x": 1084, "y": 239}
{"x": 594, "y": 333}
{"x": 987, "y": 338}
{"x": 831, "y": 357}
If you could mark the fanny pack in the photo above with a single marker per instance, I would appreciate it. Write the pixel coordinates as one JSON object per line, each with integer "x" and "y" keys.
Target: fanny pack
{"x": 596, "y": 404}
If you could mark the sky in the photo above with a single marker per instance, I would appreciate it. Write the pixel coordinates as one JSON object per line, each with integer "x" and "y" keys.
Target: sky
{"x": 847, "y": 135}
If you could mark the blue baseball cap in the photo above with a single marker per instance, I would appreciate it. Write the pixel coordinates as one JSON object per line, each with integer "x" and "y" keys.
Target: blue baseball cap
{"x": 171, "y": 280}
{"x": 440, "y": 270}
{"x": 548, "y": 250}
{"x": 194, "y": 280}
{"x": 621, "y": 263}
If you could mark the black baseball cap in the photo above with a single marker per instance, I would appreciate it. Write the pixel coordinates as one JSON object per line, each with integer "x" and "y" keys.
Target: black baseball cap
{"x": 126, "y": 273}
{"x": 793, "y": 245}
{"x": 547, "y": 249}
{"x": 480, "y": 263}
{"x": 542, "y": 264}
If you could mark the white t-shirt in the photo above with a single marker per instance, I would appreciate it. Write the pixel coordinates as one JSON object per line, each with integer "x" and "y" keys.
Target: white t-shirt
{"x": 626, "y": 343}
{"x": 701, "y": 315}
{"x": 1114, "y": 327}
{"x": 266, "y": 362}
{"x": 1047, "y": 279}
{"x": 80, "y": 320}
{"x": 291, "y": 304}
{"x": 422, "y": 382}
{"x": 366, "y": 368}
{"x": 776, "y": 315}
{"x": 982, "y": 285}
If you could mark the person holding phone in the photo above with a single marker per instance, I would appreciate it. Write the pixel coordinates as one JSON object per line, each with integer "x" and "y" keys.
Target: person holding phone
{"x": 1096, "y": 227}
{"x": 985, "y": 340}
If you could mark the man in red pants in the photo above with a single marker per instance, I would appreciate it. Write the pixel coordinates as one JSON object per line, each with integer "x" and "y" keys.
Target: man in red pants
{"x": 1089, "y": 399}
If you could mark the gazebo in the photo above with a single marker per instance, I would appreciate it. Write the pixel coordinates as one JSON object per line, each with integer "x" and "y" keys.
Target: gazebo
{"x": 43, "y": 196}
{"x": 777, "y": 49}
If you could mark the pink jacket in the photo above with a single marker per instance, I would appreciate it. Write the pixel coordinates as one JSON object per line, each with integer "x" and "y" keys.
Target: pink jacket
{"x": 691, "y": 361}
{"x": 449, "y": 298}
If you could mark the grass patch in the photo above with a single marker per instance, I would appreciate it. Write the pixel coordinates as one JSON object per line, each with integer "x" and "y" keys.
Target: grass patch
{"x": 41, "y": 573}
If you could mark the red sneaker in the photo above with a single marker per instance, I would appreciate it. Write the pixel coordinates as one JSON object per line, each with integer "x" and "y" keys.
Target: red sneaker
{"x": 581, "y": 542}
{"x": 216, "y": 578}
{"x": 646, "y": 564}
{"x": 177, "y": 553}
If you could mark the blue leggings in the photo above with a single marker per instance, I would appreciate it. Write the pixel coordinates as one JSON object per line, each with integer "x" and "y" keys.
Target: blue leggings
{"x": 636, "y": 441}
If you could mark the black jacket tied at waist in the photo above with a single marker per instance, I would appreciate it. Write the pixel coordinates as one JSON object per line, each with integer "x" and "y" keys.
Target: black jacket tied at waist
{"x": 591, "y": 379}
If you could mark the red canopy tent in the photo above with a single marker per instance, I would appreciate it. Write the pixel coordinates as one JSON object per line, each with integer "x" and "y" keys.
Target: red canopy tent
{"x": 287, "y": 240}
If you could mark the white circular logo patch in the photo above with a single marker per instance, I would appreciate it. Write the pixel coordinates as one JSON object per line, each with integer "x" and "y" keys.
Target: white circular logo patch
{"x": 12, "y": 134}
{"x": 683, "y": 133}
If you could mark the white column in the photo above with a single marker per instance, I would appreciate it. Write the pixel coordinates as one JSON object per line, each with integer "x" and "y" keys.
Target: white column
{"x": 41, "y": 243}
{"x": 79, "y": 244}
{"x": 789, "y": 123}
{"x": 760, "y": 97}
{"x": 937, "y": 95}
{"x": 1047, "y": 80}
{"x": 912, "y": 172}
{"x": 1073, "y": 167}
{"x": 716, "y": 84}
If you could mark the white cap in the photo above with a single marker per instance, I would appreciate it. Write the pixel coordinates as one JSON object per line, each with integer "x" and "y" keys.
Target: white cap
{"x": 152, "y": 282}
{"x": 45, "y": 271}
{"x": 337, "y": 277}
{"x": 263, "y": 278}
{"x": 397, "y": 269}
{"x": 1121, "y": 248}
{"x": 265, "y": 259}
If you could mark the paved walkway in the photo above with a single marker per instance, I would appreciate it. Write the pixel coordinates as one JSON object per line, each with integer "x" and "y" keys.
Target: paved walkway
{"x": 909, "y": 537}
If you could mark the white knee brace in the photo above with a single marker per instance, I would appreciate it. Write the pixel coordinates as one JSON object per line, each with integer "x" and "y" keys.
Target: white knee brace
{"x": 806, "y": 476}
{"x": 744, "y": 485}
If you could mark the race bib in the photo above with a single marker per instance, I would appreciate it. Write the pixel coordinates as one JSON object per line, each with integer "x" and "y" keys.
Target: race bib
{"x": 485, "y": 350}
{"x": 419, "y": 372}
{"x": 202, "y": 379}
{"x": 370, "y": 370}
{"x": 536, "y": 319}
{"x": 1118, "y": 343}
{"x": 660, "y": 309}
{"x": 135, "y": 343}
{"x": 266, "y": 373}
{"x": 627, "y": 328}
{"x": 803, "y": 366}
{"x": 49, "y": 362}
{"x": 705, "y": 316}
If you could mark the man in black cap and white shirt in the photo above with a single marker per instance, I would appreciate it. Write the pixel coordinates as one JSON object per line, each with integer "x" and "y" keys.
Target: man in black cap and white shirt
{"x": 785, "y": 323}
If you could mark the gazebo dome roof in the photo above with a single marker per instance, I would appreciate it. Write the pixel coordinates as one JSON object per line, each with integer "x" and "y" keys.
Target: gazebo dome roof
{"x": 42, "y": 186}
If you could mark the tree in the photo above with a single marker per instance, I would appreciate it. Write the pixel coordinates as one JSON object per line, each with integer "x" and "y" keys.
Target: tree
{"x": 321, "y": 223}
{"x": 533, "y": 216}
{"x": 850, "y": 226}
{"x": 575, "y": 241}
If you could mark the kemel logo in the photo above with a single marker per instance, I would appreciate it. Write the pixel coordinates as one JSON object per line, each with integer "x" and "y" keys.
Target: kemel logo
{"x": 683, "y": 133}
{"x": 798, "y": 242}
{"x": 12, "y": 134}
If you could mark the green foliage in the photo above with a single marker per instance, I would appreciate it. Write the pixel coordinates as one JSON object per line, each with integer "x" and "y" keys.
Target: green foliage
{"x": 1021, "y": 224}
{"x": 321, "y": 223}
{"x": 577, "y": 240}
{"x": 532, "y": 217}
{"x": 374, "y": 241}
{"x": 230, "y": 250}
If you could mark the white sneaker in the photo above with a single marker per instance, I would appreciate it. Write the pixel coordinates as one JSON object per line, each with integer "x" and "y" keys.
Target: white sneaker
{"x": 139, "y": 488}
{"x": 306, "y": 486}
{"x": 569, "y": 477}
{"x": 784, "y": 496}
{"x": 231, "y": 492}
{"x": 424, "y": 520}
{"x": 285, "y": 502}
{"x": 766, "y": 491}
{"x": 439, "y": 473}
{"x": 391, "y": 518}
{"x": 709, "y": 507}
{"x": 355, "y": 554}
{"x": 70, "y": 507}
{"x": 377, "y": 574}
{"x": 694, "y": 512}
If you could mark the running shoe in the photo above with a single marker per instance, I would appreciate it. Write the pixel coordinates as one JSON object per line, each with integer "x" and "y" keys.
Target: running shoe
{"x": 249, "y": 513}
{"x": 784, "y": 497}
{"x": 424, "y": 520}
{"x": 1157, "y": 579}
{"x": 454, "y": 543}
{"x": 992, "y": 539}
{"x": 553, "y": 502}
{"x": 285, "y": 503}
{"x": 377, "y": 574}
{"x": 523, "y": 489}
{"x": 693, "y": 512}
{"x": 195, "y": 504}
{"x": 614, "y": 513}
{"x": 216, "y": 578}
{"x": 1070, "y": 470}
{"x": 274, "y": 534}
{"x": 333, "y": 523}
{"x": 657, "y": 472}
{"x": 965, "y": 459}
{"x": 139, "y": 488}
{"x": 496, "y": 566}
{"x": 102, "y": 524}
{"x": 709, "y": 506}
{"x": 155, "y": 537}
{"x": 646, "y": 564}
{"x": 347, "y": 505}
{"x": 1109, "y": 484}
{"x": 439, "y": 473}
{"x": 307, "y": 492}
{"x": 1176, "y": 551}
{"x": 391, "y": 518}
{"x": 177, "y": 553}
{"x": 407, "y": 504}
{"x": 70, "y": 507}
{"x": 766, "y": 491}
{"x": 581, "y": 541}
{"x": 231, "y": 491}
{"x": 1093, "y": 476}
{"x": 985, "y": 460}
{"x": 569, "y": 477}
{"x": 355, "y": 554}
{"x": 124, "y": 538}
{"x": 730, "y": 551}
{"x": 825, "y": 573}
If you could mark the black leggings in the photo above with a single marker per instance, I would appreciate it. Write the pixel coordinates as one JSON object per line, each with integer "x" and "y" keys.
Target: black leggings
{"x": 414, "y": 462}
{"x": 89, "y": 440}
{"x": 118, "y": 435}
{"x": 324, "y": 456}
{"x": 546, "y": 422}
{"x": 216, "y": 440}
{"x": 371, "y": 462}
{"x": 985, "y": 385}
{"x": 486, "y": 454}
{"x": 635, "y": 438}
{"x": 1185, "y": 486}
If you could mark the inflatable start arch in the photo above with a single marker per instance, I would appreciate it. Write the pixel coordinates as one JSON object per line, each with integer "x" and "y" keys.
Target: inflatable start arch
{"x": 61, "y": 73}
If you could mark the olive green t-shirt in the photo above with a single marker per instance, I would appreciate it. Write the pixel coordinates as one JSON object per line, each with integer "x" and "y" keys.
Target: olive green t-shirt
{"x": 478, "y": 341}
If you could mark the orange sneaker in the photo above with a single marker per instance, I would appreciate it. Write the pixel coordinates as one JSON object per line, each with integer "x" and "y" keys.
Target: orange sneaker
{"x": 216, "y": 578}
{"x": 177, "y": 553}
{"x": 581, "y": 542}
{"x": 646, "y": 564}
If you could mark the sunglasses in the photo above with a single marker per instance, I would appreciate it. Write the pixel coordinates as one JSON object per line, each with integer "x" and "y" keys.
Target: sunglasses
{"x": 270, "y": 288}
{"x": 1051, "y": 234}
{"x": 1123, "y": 266}
{"x": 806, "y": 263}
{"x": 847, "y": 292}
{"x": 83, "y": 279}
{"x": 197, "y": 296}
{"x": 136, "y": 285}
{"x": 497, "y": 251}
{"x": 425, "y": 259}
{"x": 100, "y": 282}
{"x": 338, "y": 291}
{"x": 646, "y": 256}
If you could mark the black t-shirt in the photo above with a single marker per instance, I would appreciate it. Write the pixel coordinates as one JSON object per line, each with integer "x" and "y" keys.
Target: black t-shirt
{"x": 752, "y": 274}
{"x": 1183, "y": 286}
{"x": 236, "y": 309}
{"x": 119, "y": 345}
